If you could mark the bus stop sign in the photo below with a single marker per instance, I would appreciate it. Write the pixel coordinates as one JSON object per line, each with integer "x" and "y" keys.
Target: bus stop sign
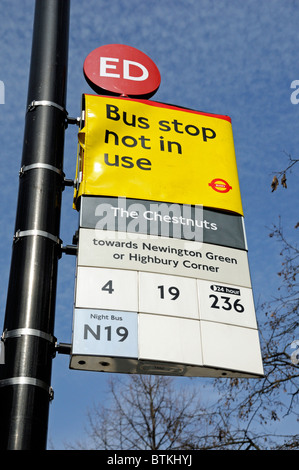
{"x": 121, "y": 70}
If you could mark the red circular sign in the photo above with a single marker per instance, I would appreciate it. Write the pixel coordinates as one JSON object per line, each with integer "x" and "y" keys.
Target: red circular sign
{"x": 121, "y": 70}
{"x": 220, "y": 185}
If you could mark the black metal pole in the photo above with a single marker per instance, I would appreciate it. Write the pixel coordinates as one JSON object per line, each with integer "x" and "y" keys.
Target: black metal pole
{"x": 25, "y": 378}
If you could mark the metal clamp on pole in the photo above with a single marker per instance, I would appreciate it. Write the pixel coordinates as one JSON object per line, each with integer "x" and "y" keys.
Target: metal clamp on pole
{"x": 69, "y": 119}
{"x": 2, "y": 351}
{"x": 27, "y": 233}
{"x": 44, "y": 166}
{"x": 35, "y": 103}
{"x": 28, "y": 381}
{"x": 18, "y": 332}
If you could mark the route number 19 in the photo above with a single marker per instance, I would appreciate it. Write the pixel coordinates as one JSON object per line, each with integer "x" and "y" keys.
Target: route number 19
{"x": 172, "y": 291}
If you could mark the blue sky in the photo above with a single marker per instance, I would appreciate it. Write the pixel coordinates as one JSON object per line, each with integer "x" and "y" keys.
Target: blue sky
{"x": 230, "y": 57}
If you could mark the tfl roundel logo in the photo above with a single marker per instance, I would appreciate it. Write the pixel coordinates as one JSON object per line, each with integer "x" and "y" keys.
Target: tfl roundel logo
{"x": 220, "y": 185}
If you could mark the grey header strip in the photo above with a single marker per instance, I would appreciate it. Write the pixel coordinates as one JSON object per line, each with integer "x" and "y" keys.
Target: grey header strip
{"x": 180, "y": 221}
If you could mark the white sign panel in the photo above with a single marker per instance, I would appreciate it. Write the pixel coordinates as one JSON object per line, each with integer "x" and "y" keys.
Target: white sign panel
{"x": 106, "y": 289}
{"x": 105, "y": 333}
{"x": 168, "y": 295}
{"x": 163, "y": 255}
{"x": 163, "y": 305}
{"x": 223, "y": 303}
{"x": 149, "y": 343}
{"x": 157, "y": 323}
{"x": 161, "y": 294}
{"x": 233, "y": 347}
{"x": 170, "y": 339}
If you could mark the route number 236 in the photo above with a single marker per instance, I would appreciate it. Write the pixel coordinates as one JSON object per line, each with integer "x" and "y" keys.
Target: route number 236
{"x": 225, "y": 303}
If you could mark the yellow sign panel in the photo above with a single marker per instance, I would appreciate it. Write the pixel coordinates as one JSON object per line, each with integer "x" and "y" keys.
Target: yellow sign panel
{"x": 148, "y": 150}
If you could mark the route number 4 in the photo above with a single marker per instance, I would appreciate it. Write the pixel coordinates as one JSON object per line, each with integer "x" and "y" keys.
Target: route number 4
{"x": 108, "y": 287}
